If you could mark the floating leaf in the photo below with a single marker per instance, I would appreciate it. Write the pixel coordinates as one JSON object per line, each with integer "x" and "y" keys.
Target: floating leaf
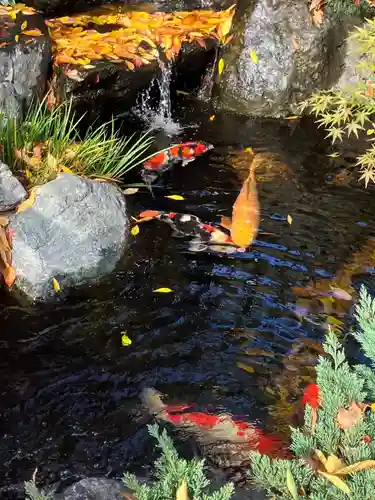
{"x": 27, "y": 203}
{"x": 130, "y": 191}
{"x": 125, "y": 340}
{"x": 212, "y": 117}
{"x": 175, "y": 197}
{"x": 289, "y": 219}
{"x": 254, "y": 57}
{"x": 17, "y": 37}
{"x": 370, "y": 131}
{"x": 291, "y": 485}
{"x": 135, "y": 230}
{"x": 293, "y": 117}
{"x": 334, "y": 155}
{"x": 163, "y": 290}
{"x": 220, "y": 66}
{"x": 24, "y": 25}
{"x": 56, "y": 285}
{"x": 245, "y": 367}
{"x": 249, "y": 150}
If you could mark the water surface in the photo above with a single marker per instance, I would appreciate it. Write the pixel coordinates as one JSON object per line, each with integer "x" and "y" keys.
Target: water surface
{"x": 69, "y": 400}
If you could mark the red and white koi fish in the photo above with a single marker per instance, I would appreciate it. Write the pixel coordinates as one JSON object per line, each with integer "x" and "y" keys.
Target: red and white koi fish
{"x": 161, "y": 162}
{"x": 210, "y": 429}
{"x": 184, "y": 225}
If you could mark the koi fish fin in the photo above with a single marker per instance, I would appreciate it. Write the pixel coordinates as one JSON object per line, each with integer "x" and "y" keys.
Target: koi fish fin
{"x": 177, "y": 234}
{"x": 226, "y": 222}
{"x": 185, "y": 162}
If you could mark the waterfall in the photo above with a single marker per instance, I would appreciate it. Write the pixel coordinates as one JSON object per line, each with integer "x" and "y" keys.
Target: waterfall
{"x": 159, "y": 116}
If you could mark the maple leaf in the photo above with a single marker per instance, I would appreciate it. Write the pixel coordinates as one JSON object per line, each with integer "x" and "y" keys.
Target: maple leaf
{"x": 346, "y": 418}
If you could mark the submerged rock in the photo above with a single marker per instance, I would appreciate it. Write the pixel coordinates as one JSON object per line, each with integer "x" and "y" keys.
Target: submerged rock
{"x": 24, "y": 63}
{"x": 12, "y": 193}
{"x": 76, "y": 232}
{"x": 294, "y": 58}
{"x": 94, "y": 488}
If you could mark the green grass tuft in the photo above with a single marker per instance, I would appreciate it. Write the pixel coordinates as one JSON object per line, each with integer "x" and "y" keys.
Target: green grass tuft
{"x": 48, "y": 141}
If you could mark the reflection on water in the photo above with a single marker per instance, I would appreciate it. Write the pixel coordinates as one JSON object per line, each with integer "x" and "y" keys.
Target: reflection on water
{"x": 227, "y": 338}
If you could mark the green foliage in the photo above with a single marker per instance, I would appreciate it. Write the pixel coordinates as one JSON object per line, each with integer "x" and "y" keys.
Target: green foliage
{"x": 350, "y": 111}
{"x": 33, "y": 493}
{"x": 339, "y": 386}
{"x": 349, "y": 7}
{"x": 100, "y": 153}
{"x": 171, "y": 471}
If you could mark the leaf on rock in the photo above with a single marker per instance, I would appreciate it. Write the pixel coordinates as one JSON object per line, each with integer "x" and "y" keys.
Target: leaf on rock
{"x": 176, "y": 197}
{"x": 24, "y": 25}
{"x": 56, "y": 285}
{"x": 27, "y": 203}
{"x": 6, "y": 268}
{"x": 220, "y": 66}
{"x": 135, "y": 230}
{"x": 254, "y": 57}
{"x": 163, "y": 290}
{"x": 67, "y": 170}
{"x": 33, "y": 32}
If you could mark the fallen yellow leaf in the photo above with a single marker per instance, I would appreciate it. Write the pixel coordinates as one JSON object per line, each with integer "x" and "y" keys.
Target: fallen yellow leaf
{"x": 294, "y": 117}
{"x": 27, "y": 203}
{"x": 17, "y": 37}
{"x": 125, "y": 340}
{"x": 135, "y": 230}
{"x": 130, "y": 191}
{"x": 212, "y": 118}
{"x": 163, "y": 290}
{"x": 56, "y": 285}
{"x": 175, "y": 197}
{"x": 289, "y": 219}
{"x": 336, "y": 481}
{"x": 248, "y": 150}
{"x": 24, "y": 25}
{"x": 182, "y": 492}
{"x": 254, "y": 57}
{"x": 34, "y": 32}
{"x": 220, "y": 66}
{"x": 67, "y": 170}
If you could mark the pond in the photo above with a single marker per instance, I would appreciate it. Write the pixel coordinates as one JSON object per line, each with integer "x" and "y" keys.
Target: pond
{"x": 224, "y": 339}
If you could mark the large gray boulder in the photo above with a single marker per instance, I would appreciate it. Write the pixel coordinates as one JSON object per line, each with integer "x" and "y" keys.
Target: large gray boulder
{"x": 295, "y": 58}
{"x": 76, "y": 232}
{"x": 12, "y": 193}
{"x": 24, "y": 64}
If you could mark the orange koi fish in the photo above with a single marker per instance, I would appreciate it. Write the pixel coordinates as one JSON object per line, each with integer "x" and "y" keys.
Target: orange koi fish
{"x": 244, "y": 223}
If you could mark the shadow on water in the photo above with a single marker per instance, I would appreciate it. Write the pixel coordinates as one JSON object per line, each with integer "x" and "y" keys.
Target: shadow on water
{"x": 69, "y": 399}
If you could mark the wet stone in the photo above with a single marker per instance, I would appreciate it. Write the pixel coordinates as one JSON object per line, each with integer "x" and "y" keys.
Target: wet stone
{"x": 76, "y": 232}
{"x": 94, "y": 489}
{"x": 24, "y": 62}
{"x": 294, "y": 58}
{"x": 12, "y": 193}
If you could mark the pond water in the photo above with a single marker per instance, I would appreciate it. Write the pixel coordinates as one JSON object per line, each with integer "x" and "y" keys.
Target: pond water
{"x": 69, "y": 400}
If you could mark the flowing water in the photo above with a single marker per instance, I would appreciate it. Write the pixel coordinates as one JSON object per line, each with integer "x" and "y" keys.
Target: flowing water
{"x": 225, "y": 338}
